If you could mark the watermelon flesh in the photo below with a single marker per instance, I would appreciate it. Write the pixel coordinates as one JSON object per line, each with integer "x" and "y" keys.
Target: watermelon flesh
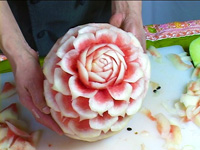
{"x": 13, "y": 135}
{"x": 97, "y": 76}
{"x": 8, "y": 90}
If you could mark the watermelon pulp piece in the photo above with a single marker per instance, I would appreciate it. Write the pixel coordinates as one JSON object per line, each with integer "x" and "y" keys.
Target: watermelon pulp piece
{"x": 12, "y": 133}
{"x": 8, "y": 90}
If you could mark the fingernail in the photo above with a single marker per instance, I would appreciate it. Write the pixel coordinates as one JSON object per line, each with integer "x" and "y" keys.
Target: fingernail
{"x": 46, "y": 110}
{"x": 35, "y": 114}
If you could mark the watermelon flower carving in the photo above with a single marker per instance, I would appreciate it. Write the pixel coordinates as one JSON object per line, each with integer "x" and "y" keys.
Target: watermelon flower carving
{"x": 96, "y": 78}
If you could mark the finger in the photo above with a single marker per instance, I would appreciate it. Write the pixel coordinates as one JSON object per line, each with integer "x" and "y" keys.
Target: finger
{"x": 42, "y": 118}
{"x": 36, "y": 91}
{"x": 116, "y": 20}
{"x": 46, "y": 120}
{"x": 137, "y": 29}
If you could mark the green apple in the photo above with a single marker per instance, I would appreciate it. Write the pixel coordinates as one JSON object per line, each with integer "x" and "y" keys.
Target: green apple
{"x": 194, "y": 50}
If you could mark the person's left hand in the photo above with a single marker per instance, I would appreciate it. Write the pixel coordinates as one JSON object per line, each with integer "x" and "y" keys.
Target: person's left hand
{"x": 127, "y": 16}
{"x": 29, "y": 83}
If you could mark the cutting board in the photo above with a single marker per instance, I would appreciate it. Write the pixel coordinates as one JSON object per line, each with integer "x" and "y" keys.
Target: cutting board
{"x": 144, "y": 135}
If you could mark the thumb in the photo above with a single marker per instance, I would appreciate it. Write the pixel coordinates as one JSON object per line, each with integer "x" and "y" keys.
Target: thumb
{"x": 135, "y": 27}
{"x": 117, "y": 19}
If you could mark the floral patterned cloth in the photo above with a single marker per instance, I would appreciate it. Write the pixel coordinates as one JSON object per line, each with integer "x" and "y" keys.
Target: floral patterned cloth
{"x": 172, "y": 30}
{"x": 162, "y": 31}
{"x": 2, "y": 57}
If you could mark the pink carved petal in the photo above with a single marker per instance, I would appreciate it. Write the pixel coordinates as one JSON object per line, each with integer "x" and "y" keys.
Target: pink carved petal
{"x": 63, "y": 122}
{"x": 121, "y": 58}
{"x": 107, "y": 67}
{"x": 115, "y": 68}
{"x": 81, "y": 106}
{"x": 8, "y": 90}
{"x": 100, "y": 51}
{"x": 61, "y": 79}
{"x": 101, "y": 26}
{"x": 16, "y": 130}
{"x": 96, "y": 68}
{"x": 104, "y": 62}
{"x": 121, "y": 74}
{"x": 99, "y": 62}
{"x": 65, "y": 104}
{"x": 65, "y": 47}
{"x": 119, "y": 108}
{"x": 138, "y": 88}
{"x": 49, "y": 66}
{"x": 84, "y": 41}
{"x": 79, "y": 90}
{"x": 134, "y": 106}
{"x": 95, "y": 77}
{"x": 121, "y": 91}
{"x": 116, "y": 49}
{"x": 50, "y": 96}
{"x": 93, "y": 48}
{"x": 131, "y": 52}
{"x": 96, "y": 85}
{"x": 106, "y": 36}
{"x": 83, "y": 73}
{"x": 105, "y": 74}
{"x": 143, "y": 60}
{"x": 133, "y": 73}
{"x": 103, "y": 122}
{"x": 83, "y": 129}
{"x": 70, "y": 32}
{"x": 9, "y": 113}
{"x": 69, "y": 62}
{"x": 122, "y": 37}
{"x": 88, "y": 29}
{"x": 135, "y": 41}
{"x": 89, "y": 62}
{"x": 83, "y": 56}
{"x": 113, "y": 55}
{"x": 120, "y": 124}
{"x": 101, "y": 102}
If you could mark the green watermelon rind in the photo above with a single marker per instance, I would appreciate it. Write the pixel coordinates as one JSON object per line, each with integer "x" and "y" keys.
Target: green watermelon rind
{"x": 194, "y": 50}
{"x": 182, "y": 41}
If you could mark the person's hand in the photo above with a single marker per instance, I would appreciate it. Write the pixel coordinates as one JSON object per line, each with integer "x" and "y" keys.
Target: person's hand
{"x": 27, "y": 71}
{"x": 29, "y": 82}
{"x": 127, "y": 15}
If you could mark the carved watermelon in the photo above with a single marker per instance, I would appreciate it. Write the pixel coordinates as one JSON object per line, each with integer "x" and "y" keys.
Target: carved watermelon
{"x": 96, "y": 78}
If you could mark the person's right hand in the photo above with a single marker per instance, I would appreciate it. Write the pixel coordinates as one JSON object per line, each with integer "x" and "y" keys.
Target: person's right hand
{"x": 127, "y": 16}
{"x": 29, "y": 82}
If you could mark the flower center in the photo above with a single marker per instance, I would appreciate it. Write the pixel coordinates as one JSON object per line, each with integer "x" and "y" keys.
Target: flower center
{"x": 101, "y": 66}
